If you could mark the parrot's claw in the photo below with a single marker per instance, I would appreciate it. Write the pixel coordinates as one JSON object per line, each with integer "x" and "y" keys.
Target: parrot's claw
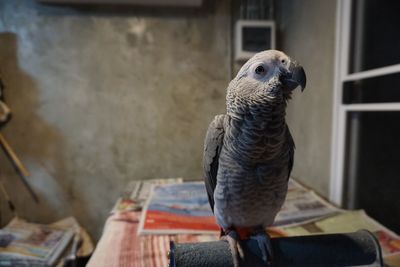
{"x": 234, "y": 244}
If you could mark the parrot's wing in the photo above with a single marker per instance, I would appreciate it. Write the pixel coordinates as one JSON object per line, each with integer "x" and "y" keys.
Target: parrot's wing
{"x": 212, "y": 148}
{"x": 292, "y": 146}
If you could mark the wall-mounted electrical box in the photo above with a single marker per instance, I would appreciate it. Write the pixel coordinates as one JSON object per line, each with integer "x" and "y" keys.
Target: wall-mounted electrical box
{"x": 252, "y": 36}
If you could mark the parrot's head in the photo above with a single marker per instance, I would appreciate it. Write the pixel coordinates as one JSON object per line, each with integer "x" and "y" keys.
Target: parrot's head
{"x": 268, "y": 76}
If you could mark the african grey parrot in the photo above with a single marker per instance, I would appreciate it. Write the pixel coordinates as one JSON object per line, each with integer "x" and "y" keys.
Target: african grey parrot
{"x": 248, "y": 152}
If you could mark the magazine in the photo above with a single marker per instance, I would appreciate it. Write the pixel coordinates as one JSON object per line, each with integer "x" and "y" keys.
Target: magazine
{"x": 29, "y": 244}
{"x": 176, "y": 209}
{"x": 137, "y": 192}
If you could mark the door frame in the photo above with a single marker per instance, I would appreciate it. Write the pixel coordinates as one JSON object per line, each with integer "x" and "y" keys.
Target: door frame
{"x": 340, "y": 110}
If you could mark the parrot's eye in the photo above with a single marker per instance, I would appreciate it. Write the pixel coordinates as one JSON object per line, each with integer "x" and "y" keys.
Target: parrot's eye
{"x": 260, "y": 70}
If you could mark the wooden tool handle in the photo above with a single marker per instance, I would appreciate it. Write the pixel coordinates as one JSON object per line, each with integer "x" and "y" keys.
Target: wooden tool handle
{"x": 14, "y": 158}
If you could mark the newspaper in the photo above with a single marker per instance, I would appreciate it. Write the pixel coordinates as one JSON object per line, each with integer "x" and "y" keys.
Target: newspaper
{"x": 303, "y": 205}
{"x": 137, "y": 192}
{"x": 392, "y": 260}
{"x": 176, "y": 209}
{"x": 294, "y": 185}
{"x": 346, "y": 222}
{"x": 29, "y": 244}
{"x": 81, "y": 245}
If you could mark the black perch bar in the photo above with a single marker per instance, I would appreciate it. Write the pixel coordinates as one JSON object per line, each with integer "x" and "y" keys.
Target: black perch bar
{"x": 332, "y": 250}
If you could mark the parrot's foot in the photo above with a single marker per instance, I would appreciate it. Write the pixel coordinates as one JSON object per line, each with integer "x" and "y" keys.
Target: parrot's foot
{"x": 253, "y": 250}
{"x": 234, "y": 244}
{"x": 264, "y": 245}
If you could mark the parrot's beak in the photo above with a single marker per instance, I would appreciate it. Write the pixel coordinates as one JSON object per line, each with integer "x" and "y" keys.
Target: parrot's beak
{"x": 294, "y": 77}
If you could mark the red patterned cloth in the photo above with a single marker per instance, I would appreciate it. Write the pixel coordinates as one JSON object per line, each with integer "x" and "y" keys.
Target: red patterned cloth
{"x": 121, "y": 246}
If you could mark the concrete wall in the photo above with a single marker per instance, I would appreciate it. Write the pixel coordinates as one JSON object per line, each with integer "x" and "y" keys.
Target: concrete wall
{"x": 306, "y": 31}
{"x": 101, "y": 96}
